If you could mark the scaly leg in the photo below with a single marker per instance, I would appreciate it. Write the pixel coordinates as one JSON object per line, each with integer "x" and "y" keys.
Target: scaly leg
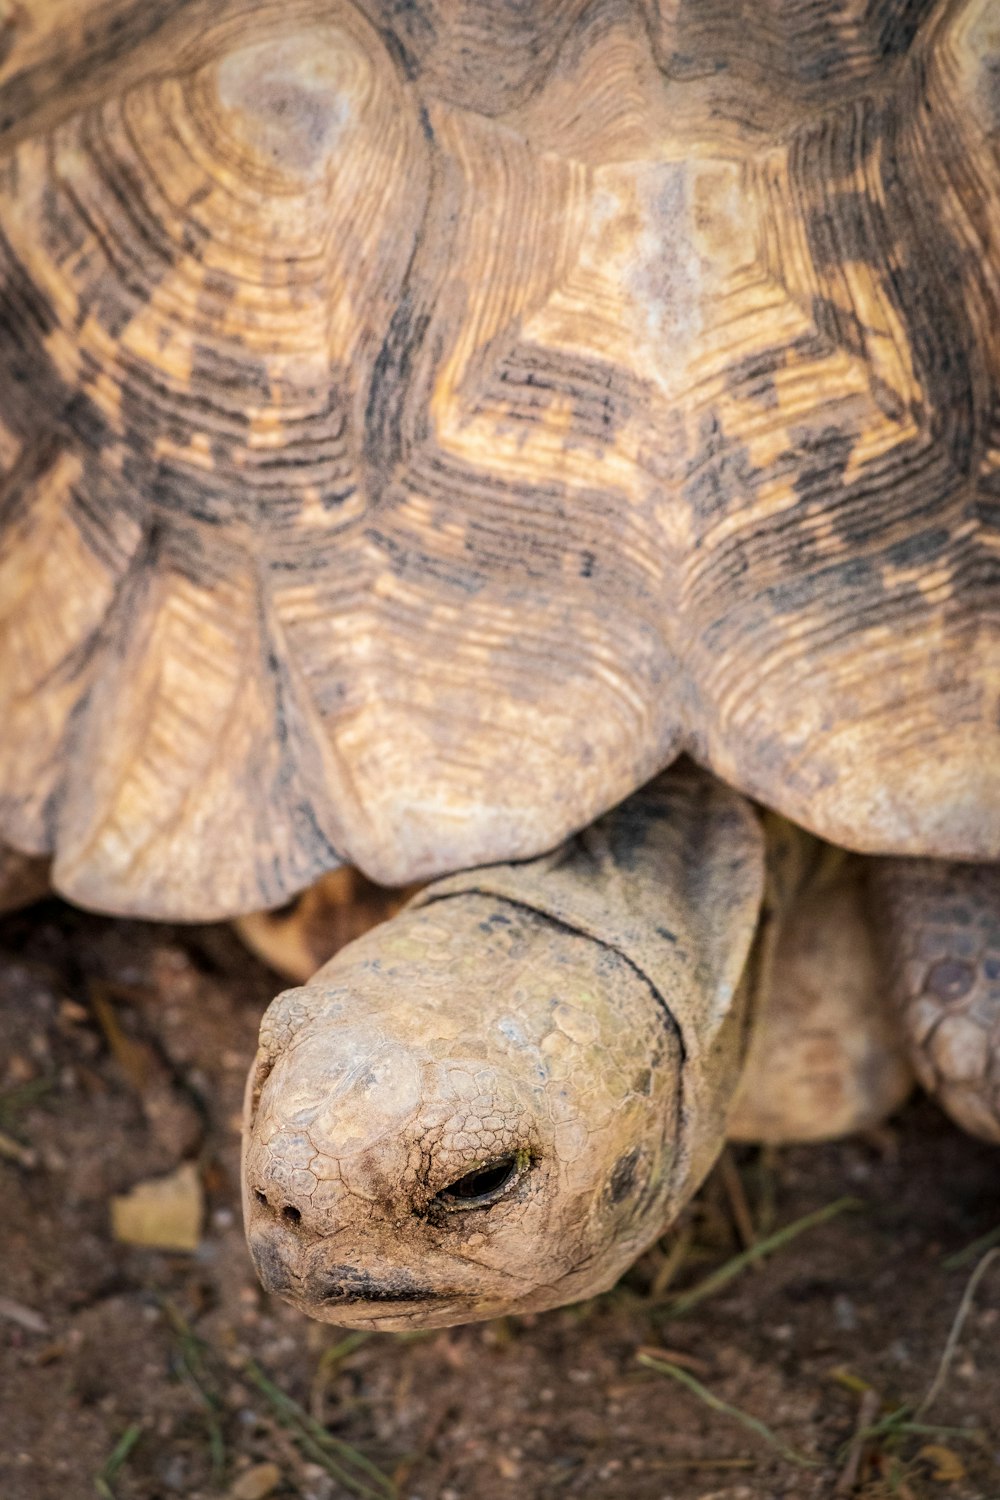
{"x": 826, "y": 1054}
{"x": 941, "y": 932}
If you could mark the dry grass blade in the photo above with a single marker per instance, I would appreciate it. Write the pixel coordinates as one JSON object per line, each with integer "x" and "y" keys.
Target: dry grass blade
{"x": 676, "y": 1357}
{"x": 135, "y": 1059}
{"x": 948, "y": 1353}
{"x": 715, "y": 1403}
{"x": 672, "y": 1262}
{"x": 198, "y": 1380}
{"x": 969, "y": 1254}
{"x": 118, "y": 1456}
{"x": 22, "y": 1156}
{"x": 716, "y": 1280}
{"x": 683, "y": 1464}
{"x": 341, "y": 1461}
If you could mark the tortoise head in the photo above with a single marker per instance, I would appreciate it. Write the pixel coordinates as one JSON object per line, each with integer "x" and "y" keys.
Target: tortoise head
{"x": 470, "y": 1111}
{"x": 495, "y": 1101}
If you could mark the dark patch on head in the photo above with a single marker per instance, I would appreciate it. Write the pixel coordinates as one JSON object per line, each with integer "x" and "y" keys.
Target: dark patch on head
{"x": 494, "y": 920}
{"x": 629, "y": 833}
{"x": 622, "y": 1181}
{"x": 270, "y": 1263}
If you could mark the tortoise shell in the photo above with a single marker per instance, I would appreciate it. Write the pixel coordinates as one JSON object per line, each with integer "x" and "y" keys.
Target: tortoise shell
{"x": 421, "y": 423}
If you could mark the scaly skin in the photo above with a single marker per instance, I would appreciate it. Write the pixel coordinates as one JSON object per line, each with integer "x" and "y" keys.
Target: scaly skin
{"x": 942, "y": 938}
{"x": 579, "y": 1019}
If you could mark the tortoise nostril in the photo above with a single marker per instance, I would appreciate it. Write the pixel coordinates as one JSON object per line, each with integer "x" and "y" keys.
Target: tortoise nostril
{"x": 261, "y": 1198}
{"x": 292, "y": 1215}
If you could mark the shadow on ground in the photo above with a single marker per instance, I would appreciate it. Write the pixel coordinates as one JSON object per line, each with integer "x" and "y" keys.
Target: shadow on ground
{"x": 140, "y": 1374}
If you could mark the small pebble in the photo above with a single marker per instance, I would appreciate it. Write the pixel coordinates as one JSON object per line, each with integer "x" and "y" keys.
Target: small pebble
{"x": 844, "y": 1314}
{"x": 256, "y": 1483}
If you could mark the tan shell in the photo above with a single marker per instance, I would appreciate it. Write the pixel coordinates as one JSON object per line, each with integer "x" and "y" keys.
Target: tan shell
{"x": 418, "y": 424}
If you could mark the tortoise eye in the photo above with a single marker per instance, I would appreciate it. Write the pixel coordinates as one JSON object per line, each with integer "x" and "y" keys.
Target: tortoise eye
{"x": 483, "y": 1186}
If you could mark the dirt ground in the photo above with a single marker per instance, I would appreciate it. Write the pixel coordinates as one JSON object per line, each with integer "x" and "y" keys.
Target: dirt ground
{"x": 131, "y": 1372}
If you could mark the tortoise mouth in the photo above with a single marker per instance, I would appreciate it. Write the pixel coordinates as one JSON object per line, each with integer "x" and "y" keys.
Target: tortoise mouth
{"x": 362, "y": 1289}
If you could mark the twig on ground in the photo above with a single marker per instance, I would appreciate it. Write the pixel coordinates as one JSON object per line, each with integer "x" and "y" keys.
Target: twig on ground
{"x": 675, "y": 1357}
{"x": 955, "y": 1334}
{"x": 716, "y": 1280}
{"x": 21, "y": 1156}
{"x": 732, "y": 1181}
{"x": 673, "y": 1261}
{"x": 867, "y": 1412}
{"x": 24, "y": 1317}
{"x": 766, "y": 1175}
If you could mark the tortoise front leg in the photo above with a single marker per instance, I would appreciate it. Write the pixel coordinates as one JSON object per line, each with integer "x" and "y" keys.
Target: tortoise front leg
{"x": 826, "y": 1055}
{"x": 941, "y": 931}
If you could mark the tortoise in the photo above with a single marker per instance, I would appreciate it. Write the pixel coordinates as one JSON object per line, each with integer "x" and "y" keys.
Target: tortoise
{"x": 422, "y": 426}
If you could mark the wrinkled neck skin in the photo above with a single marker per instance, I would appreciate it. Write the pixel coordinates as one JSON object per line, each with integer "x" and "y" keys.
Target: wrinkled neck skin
{"x": 494, "y": 1102}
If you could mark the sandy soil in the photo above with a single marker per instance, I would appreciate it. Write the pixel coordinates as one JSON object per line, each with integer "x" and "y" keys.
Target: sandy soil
{"x": 123, "y": 1048}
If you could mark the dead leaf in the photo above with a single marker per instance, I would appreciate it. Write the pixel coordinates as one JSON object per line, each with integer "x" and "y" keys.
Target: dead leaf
{"x": 163, "y": 1213}
{"x": 947, "y": 1466}
{"x": 848, "y": 1380}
